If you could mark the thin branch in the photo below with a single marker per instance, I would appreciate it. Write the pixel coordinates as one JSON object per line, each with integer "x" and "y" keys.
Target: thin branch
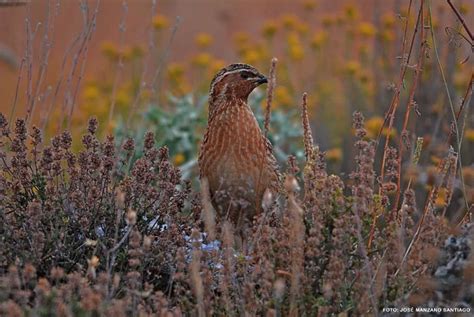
{"x": 119, "y": 67}
{"x": 453, "y": 112}
{"x": 411, "y": 101}
{"x": 461, "y": 19}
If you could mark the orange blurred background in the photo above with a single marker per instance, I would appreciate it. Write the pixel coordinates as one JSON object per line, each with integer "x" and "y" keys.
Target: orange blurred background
{"x": 221, "y": 19}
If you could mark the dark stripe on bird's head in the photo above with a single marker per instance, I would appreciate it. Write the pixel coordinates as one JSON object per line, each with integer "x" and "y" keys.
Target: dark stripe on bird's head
{"x": 232, "y": 68}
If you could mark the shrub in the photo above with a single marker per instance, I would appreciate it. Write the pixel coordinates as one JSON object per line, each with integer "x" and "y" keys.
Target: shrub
{"x": 94, "y": 233}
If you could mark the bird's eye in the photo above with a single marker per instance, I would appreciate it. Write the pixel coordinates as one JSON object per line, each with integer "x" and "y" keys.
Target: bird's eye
{"x": 245, "y": 75}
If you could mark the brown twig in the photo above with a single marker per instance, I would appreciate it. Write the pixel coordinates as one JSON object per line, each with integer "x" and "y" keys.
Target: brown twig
{"x": 119, "y": 66}
{"x": 308, "y": 136}
{"x": 45, "y": 48}
{"x": 87, "y": 39}
{"x": 155, "y": 85}
{"x": 390, "y": 116}
{"x": 69, "y": 50}
{"x": 411, "y": 102}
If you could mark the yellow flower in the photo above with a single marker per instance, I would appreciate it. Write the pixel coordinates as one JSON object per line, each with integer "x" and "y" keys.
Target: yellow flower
{"x": 367, "y": 29}
{"x": 251, "y": 56}
{"x": 373, "y": 126}
{"x": 463, "y": 8}
{"x": 202, "y": 59}
{"x": 203, "y": 40}
{"x": 123, "y": 98}
{"x": 351, "y": 12}
{"x": 388, "y": 20}
{"x": 293, "y": 39}
{"x": 175, "y": 71}
{"x": 289, "y": 21}
{"x": 91, "y": 92}
{"x": 283, "y": 96}
{"x": 319, "y": 39}
{"x": 160, "y": 22}
{"x": 364, "y": 50}
{"x": 296, "y": 52}
{"x": 387, "y": 36}
{"x": 334, "y": 154}
{"x": 327, "y": 21}
{"x": 179, "y": 159}
{"x": 469, "y": 135}
{"x": 269, "y": 29}
{"x": 217, "y": 65}
{"x": 352, "y": 67}
{"x": 127, "y": 54}
{"x": 137, "y": 51}
{"x": 130, "y": 53}
{"x": 302, "y": 28}
{"x": 109, "y": 50}
{"x": 241, "y": 38}
{"x": 309, "y": 5}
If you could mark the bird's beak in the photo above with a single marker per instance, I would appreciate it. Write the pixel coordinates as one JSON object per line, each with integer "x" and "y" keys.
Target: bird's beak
{"x": 262, "y": 80}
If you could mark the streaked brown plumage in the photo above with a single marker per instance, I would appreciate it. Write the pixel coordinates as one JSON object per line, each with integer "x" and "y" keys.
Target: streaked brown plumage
{"x": 235, "y": 156}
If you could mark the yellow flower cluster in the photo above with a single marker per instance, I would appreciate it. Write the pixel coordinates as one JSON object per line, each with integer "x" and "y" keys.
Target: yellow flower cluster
{"x": 352, "y": 67}
{"x": 366, "y": 29}
{"x": 129, "y": 53}
{"x": 179, "y": 159}
{"x": 319, "y": 39}
{"x": 469, "y": 135}
{"x": 334, "y": 154}
{"x": 283, "y": 96}
{"x": 309, "y": 5}
{"x": 373, "y": 126}
{"x": 295, "y": 47}
{"x": 175, "y": 71}
{"x": 269, "y": 29}
{"x": 351, "y": 13}
{"x": 290, "y": 21}
{"x": 203, "y": 40}
{"x": 388, "y": 20}
{"x": 160, "y": 22}
{"x": 109, "y": 50}
{"x": 176, "y": 77}
{"x": 202, "y": 59}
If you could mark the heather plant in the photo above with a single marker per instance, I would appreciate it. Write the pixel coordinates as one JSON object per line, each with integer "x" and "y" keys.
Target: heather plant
{"x": 98, "y": 233}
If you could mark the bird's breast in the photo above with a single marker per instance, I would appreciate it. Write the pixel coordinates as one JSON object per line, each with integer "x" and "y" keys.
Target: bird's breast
{"x": 234, "y": 148}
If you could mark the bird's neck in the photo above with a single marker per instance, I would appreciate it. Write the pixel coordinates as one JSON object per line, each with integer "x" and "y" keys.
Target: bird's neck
{"x": 226, "y": 103}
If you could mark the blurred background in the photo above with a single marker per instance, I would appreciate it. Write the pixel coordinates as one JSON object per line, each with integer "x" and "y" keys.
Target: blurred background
{"x": 146, "y": 65}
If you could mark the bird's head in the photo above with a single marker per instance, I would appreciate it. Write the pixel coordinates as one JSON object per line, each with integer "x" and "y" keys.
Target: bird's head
{"x": 235, "y": 81}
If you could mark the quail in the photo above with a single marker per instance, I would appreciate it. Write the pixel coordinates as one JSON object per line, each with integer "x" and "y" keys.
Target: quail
{"x": 235, "y": 156}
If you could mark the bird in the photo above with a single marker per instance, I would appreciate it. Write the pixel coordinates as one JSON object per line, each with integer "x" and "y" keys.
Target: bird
{"x": 235, "y": 156}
